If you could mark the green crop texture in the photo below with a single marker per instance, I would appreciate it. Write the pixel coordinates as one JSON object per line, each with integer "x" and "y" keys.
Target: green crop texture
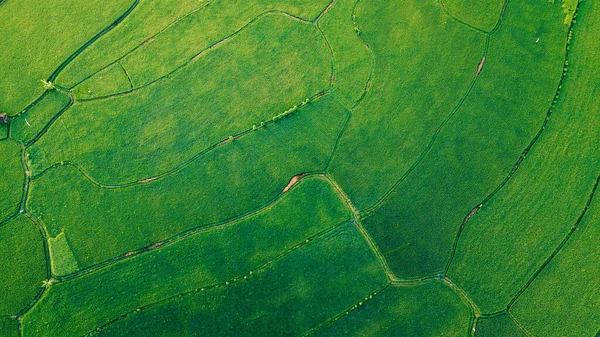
{"x": 299, "y": 168}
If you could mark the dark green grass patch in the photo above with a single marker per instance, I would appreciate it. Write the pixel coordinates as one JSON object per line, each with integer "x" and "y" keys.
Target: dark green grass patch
{"x": 229, "y": 255}
{"x": 9, "y": 327}
{"x": 3, "y": 132}
{"x": 161, "y": 35}
{"x": 231, "y": 180}
{"x": 28, "y": 125}
{"x": 352, "y": 57}
{"x": 417, "y": 48}
{"x": 498, "y": 326}
{"x": 482, "y": 14}
{"x": 430, "y": 309}
{"x": 11, "y": 179}
{"x": 512, "y": 236}
{"x": 416, "y": 226}
{"x": 289, "y": 297}
{"x": 274, "y": 65}
{"x": 38, "y": 36}
{"x": 22, "y": 266}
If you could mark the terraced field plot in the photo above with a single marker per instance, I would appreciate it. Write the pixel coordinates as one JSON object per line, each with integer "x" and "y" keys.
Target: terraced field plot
{"x": 299, "y": 168}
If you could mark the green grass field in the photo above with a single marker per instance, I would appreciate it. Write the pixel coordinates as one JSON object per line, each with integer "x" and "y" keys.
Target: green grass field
{"x": 299, "y": 168}
{"x": 430, "y": 309}
{"x": 23, "y": 264}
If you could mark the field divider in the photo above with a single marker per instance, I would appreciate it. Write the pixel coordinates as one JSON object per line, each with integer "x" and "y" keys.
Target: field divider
{"x": 131, "y": 86}
{"x": 323, "y": 12}
{"x": 368, "y": 47}
{"x": 432, "y": 141}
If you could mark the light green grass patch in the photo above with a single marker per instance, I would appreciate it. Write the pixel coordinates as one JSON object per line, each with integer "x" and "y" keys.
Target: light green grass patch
{"x": 416, "y": 226}
{"x": 11, "y": 178}
{"x": 63, "y": 260}
{"x": 417, "y": 48}
{"x": 22, "y": 266}
{"x": 274, "y": 65}
{"x": 218, "y": 256}
{"x": 38, "y": 36}
{"x": 352, "y": 58}
{"x": 430, "y": 309}
{"x": 521, "y": 226}
{"x": 112, "y": 80}
{"x": 231, "y": 180}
